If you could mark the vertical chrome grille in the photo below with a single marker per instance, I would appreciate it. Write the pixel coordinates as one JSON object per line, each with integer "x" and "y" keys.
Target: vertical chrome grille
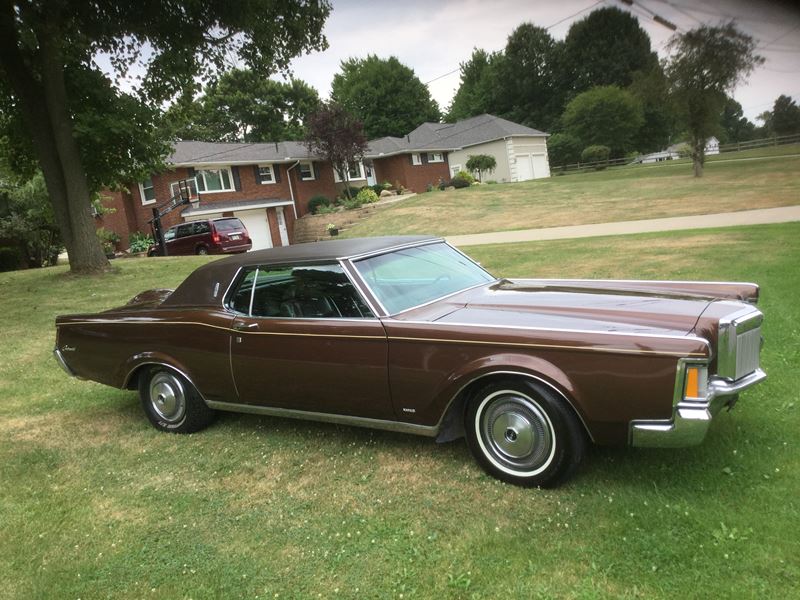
{"x": 739, "y": 343}
{"x": 748, "y": 346}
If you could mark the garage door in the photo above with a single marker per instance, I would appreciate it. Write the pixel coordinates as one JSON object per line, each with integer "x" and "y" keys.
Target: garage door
{"x": 531, "y": 166}
{"x": 257, "y": 227}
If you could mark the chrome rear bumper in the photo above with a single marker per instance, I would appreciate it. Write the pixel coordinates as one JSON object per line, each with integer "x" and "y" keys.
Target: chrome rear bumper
{"x": 62, "y": 363}
{"x": 691, "y": 418}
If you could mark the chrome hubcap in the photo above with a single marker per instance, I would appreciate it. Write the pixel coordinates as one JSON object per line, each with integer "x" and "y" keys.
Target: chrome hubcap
{"x": 167, "y": 397}
{"x": 515, "y": 432}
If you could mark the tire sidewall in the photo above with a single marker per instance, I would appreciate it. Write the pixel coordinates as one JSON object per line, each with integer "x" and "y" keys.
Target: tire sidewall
{"x": 559, "y": 418}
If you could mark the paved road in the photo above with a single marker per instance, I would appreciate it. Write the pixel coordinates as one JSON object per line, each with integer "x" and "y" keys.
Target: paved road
{"x": 761, "y": 216}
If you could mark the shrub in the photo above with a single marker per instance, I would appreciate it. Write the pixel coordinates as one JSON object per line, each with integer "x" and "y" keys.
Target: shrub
{"x": 491, "y": 182}
{"x": 596, "y": 154}
{"x": 480, "y": 163}
{"x": 350, "y": 204}
{"x": 353, "y": 191}
{"x": 316, "y": 202}
{"x": 563, "y": 149}
{"x": 386, "y": 185}
{"x": 109, "y": 239}
{"x": 367, "y": 196}
{"x": 140, "y": 242}
{"x": 459, "y": 182}
{"x": 326, "y": 210}
{"x": 10, "y": 259}
{"x": 465, "y": 176}
{"x": 378, "y": 188}
{"x": 429, "y": 187}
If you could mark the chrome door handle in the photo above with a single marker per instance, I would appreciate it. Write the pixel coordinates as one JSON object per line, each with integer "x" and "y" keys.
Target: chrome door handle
{"x": 242, "y": 326}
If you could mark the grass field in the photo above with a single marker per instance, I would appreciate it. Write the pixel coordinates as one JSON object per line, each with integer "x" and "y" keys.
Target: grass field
{"x": 624, "y": 194}
{"x": 95, "y": 503}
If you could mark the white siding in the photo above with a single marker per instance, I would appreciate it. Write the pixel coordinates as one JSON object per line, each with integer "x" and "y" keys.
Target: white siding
{"x": 497, "y": 149}
{"x": 505, "y": 152}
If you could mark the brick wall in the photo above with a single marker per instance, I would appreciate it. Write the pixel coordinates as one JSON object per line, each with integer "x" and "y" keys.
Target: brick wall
{"x": 398, "y": 169}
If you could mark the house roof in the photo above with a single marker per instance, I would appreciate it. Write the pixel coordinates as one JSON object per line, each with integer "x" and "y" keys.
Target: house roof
{"x": 428, "y": 137}
{"x": 206, "y": 208}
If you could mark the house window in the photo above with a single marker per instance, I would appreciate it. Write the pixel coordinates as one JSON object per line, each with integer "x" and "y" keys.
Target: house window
{"x": 434, "y": 157}
{"x": 355, "y": 171}
{"x": 214, "y": 180}
{"x": 175, "y": 188}
{"x": 416, "y": 159}
{"x": 306, "y": 171}
{"x": 265, "y": 174}
{"x": 147, "y": 191}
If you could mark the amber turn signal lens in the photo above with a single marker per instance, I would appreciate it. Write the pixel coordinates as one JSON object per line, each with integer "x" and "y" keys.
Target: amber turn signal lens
{"x": 692, "y": 382}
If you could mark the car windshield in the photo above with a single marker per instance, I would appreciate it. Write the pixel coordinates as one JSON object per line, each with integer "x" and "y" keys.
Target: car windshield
{"x": 409, "y": 277}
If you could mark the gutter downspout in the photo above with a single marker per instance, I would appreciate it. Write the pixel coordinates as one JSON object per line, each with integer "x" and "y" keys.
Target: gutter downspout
{"x": 291, "y": 190}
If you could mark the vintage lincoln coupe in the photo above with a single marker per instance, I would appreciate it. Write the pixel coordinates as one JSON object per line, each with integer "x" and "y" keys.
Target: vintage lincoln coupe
{"x": 408, "y": 334}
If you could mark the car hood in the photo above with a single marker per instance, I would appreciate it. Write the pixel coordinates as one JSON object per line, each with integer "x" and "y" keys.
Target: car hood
{"x": 529, "y": 303}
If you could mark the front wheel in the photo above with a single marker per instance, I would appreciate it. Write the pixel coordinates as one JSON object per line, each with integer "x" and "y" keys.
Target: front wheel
{"x": 524, "y": 433}
{"x": 171, "y": 403}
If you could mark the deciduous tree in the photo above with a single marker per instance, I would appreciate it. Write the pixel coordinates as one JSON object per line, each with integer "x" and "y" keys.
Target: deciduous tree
{"x": 244, "y": 106}
{"x": 705, "y": 66}
{"x": 481, "y": 163}
{"x": 337, "y": 136}
{"x": 46, "y": 46}
{"x": 384, "y": 94}
{"x": 785, "y": 117}
{"x": 477, "y": 92}
{"x": 606, "y": 116}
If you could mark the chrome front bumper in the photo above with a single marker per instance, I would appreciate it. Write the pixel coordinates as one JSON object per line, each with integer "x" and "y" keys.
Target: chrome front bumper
{"x": 62, "y": 363}
{"x": 691, "y": 418}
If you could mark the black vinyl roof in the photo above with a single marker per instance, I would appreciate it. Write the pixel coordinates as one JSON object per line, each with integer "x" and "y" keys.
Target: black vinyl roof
{"x": 199, "y": 288}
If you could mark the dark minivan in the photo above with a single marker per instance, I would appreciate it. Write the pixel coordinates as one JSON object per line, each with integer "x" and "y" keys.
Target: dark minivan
{"x": 212, "y": 236}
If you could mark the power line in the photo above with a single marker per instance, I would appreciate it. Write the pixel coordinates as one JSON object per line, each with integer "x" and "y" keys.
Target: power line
{"x": 456, "y": 70}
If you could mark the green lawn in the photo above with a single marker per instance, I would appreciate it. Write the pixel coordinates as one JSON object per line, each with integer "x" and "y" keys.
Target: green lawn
{"x": 96, "y": 503}
{"x": 623, "y": 194}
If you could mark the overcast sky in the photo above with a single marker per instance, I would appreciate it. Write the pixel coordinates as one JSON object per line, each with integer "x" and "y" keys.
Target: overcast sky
{"x": 434, "y": 36}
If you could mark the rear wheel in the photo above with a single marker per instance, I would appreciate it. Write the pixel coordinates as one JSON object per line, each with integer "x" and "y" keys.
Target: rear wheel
{"x": 201, "y": 250}
{"x": 171, "y": 403}
{"x": 524, "y": 433}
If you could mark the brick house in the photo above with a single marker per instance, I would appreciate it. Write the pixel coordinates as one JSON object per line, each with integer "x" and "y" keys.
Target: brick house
{"x": 268, "y": 185}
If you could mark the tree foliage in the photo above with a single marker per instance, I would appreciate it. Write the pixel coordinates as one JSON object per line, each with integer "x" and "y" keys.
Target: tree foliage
{"x": 563, "y": 149}
{"x": 477, "y": 92}
{"x": 47, "y": 54}
{"x": 706, "y": 64}
{"x": 785, "y": 116}
{"x": 528, "y": 93}
{"x": 660, "y": 120}
{"x": 606, "y": 116}
{"x": 338, "y": 136}
{"x": 26, "y": 221}
{"x": 243, "y": 106}
{"x": 734, "y": 126}
{"x": 481, "y": 163}
{"x": 384, "y": 94}
{"x": 606, "y": 48}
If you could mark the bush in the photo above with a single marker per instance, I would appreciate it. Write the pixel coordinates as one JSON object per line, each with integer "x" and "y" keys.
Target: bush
{"x": 459, "y": 182}
{"x": 10, "y": 259}
{"x": 563, "y": 149}
{"x": 326, "y": 210}
{"x": 140, "y": 242}
{"x": 367, "y": 196}
{"x": 596, "y": 154}
{"x": 491, "y": 182}
{"x": 109, "y": 240}
{"x": 351, "y": 204}
{"x": 378, "y": 188}
{"x": 316, "y": 202}
{"x": 463, "y": 175}
{"x": 353, "y": 192}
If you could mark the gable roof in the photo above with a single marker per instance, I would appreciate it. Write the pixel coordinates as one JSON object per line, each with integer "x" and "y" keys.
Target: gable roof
{"x": 428, "y": 137}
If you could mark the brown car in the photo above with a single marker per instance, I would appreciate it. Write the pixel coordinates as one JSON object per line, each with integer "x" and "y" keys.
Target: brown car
{"x": 210, "y": 236}
{"x": 408, "y": 334}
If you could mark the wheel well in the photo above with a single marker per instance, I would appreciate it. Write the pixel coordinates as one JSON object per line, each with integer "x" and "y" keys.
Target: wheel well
{"x": 132, "y": 382}
{"x": 452, "y": 424}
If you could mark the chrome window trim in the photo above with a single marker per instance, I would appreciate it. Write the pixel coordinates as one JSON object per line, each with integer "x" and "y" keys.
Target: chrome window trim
{"x": 385, "y": 311}
{"x": 387, "y": 250}
{"x": 644, "y": 281}
{"x": 226, "y": 301}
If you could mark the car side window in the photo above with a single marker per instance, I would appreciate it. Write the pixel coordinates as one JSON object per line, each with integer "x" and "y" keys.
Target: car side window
{"x": 240, "y": 301}
{"x": 201, "y": 227}
{"x": 184, "y": 230}
{"x": 302, "y": 292}
{"x": 170, "y": 234}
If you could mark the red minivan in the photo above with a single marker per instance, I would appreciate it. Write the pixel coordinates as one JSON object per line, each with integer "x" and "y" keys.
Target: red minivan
{"x": 213, "y": 236}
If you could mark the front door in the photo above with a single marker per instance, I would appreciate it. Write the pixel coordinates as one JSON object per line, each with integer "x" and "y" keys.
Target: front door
{"x": 369, "y": 170}
{"x": 282, "y": 226}
{"x": 305, "y": 340}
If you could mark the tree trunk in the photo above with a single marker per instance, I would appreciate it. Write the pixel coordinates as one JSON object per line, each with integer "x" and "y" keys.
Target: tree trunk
{"x": 698, "y": 155}
{"x": 44, "y": 110}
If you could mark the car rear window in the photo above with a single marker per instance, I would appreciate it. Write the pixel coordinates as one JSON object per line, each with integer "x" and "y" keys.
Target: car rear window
{"x": 226, "y": 225}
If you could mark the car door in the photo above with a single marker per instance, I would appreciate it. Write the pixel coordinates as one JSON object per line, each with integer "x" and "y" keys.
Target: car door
{"x": 305, "y": 340}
